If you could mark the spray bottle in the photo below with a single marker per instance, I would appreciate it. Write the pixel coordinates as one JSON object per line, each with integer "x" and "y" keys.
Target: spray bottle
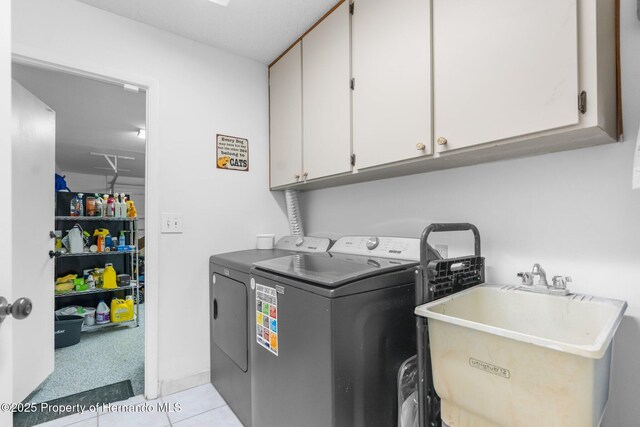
{"x": 99, "y": 209}
{"x": 110, "y": 206}
{"x": 105, "y": 199}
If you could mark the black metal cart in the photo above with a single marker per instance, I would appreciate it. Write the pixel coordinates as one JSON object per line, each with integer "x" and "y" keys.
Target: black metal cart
{"x": 437, "y": 278}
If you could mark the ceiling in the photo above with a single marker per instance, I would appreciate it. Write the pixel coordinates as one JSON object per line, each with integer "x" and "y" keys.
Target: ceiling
{"x": 256, "y": 29}
{"x": 91, "y": 116}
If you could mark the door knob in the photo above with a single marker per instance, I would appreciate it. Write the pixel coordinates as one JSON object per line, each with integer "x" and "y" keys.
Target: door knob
{"x": 420, "y": 146}
{"x": 442, "y": 141}
{"x": 20, "y": 309}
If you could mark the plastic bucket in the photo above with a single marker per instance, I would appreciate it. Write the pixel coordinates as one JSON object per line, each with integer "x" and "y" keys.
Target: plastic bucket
{"x": 67, "y": 330}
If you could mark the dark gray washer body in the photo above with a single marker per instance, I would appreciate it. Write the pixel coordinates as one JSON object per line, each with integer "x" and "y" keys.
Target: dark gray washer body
{"x": 230, "y": 334}
{"x": 339, "y": 350}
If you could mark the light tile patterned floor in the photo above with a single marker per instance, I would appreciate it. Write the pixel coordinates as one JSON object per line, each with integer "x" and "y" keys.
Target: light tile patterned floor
{"x": 200, "y": 406}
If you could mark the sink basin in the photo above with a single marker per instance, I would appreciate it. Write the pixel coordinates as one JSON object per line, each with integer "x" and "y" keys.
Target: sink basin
{"x": 502, "y": 356}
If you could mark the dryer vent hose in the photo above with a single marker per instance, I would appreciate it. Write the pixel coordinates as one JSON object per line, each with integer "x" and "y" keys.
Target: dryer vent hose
{"x": 293, "y": 212}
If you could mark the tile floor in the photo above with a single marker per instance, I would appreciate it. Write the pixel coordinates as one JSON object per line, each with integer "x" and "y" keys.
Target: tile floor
{"x": 199, "y": 406}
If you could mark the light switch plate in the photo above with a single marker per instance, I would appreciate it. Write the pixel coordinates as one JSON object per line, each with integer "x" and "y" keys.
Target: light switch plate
{"x": 171, "y": 223}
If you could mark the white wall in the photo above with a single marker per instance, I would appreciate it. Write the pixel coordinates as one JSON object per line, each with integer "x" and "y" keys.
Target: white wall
{"x": 203, "y": 91}
{"x": 82, "y": 182}
{"x": 574, "y": 212}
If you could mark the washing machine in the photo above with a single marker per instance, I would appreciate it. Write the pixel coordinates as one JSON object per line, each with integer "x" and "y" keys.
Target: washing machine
{"x": 229, "y": 317}
{"x": 329, "y": 332}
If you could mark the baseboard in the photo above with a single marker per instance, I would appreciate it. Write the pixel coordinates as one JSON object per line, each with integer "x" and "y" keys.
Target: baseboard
{"x": 173, "y": 386}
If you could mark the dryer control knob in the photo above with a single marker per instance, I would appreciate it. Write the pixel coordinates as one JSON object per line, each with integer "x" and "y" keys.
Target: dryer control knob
{"x": 299, "y": 241}
{"x": 372, "y": 243}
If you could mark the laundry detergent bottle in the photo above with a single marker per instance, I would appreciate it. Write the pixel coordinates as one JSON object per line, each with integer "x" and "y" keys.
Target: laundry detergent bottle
{"x": 121, "y": 310}
{"x": 109, "y": 277}
{"x": 102, "y": 313}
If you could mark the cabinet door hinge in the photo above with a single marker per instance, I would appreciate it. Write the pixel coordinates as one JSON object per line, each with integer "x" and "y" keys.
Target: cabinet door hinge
{"x": 582, "y": 102}
{"x": 351, "y": 7}
{"x": 353, "y": 160}
{"x": 353, "y": 83}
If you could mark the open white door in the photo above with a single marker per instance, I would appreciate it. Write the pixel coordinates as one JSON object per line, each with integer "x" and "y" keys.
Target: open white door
{"x": 32, "y": 193}
{"x": 6, "y": 355}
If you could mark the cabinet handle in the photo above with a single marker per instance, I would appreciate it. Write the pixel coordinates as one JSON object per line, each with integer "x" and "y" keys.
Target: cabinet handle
{"x": 296, "y": 176}
{"x": 420, "y": 146}
{"x": 215, "y": 308}
{"x": 442, "y": 141}
{"x": 305, "y": 175}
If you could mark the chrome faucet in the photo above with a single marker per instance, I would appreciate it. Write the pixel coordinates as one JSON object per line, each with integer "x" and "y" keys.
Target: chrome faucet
{"x": 542, "y": 275}
{"x": 559, "y": 286}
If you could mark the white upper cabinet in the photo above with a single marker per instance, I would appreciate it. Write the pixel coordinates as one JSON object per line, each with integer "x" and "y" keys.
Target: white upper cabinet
{"x": 441, "y": 84}
{"x": 503, "y": 68}
{"x": 326, "y": 100}
{"x": 285, "y": 104}
{"x": 392, "y": 72}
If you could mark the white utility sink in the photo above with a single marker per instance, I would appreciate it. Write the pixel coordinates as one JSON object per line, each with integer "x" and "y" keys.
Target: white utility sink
{"x": 503, "y": 356}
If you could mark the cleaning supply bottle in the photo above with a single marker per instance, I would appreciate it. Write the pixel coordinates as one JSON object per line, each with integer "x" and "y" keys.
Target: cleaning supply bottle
{"x": 121, "y": 241}
{"x": 123, "y": 206}
{"x": 73, "y": 206}
{"x": 121, "y": 310}
{"x": 116, "y": 206}
{"x": 99, "y": 209}
{"x": 109, "y": 277}
{"x": 105, "y": 199}
{"x": 102, "y": 313}
{"x": 76, "y": 243}
{"x": 80, "y": 206}
{"x": 131, "y": 209}
{"x": 111, "y": 206}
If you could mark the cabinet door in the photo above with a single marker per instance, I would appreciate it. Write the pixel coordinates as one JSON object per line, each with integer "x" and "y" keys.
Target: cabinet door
{"x": 392, "y": 71}
{"x": 503, "y": 68}
{"x": 285, "y": 110}
{"x": 326, "y": 96}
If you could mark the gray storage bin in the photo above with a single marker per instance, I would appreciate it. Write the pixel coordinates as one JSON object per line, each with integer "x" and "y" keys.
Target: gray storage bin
{"x": 67, "y": 330}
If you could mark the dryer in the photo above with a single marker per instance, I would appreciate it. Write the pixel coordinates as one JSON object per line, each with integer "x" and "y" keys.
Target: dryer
{"x": 229, "y": 317}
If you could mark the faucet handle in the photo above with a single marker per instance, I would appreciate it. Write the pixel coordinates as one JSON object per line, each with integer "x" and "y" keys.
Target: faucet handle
{"x": 560, "y": 282}
{"x": 527, "y": 278}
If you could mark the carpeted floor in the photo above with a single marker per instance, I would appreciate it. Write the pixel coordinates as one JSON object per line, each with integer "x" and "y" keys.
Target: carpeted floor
{"x": 100, "y": 358}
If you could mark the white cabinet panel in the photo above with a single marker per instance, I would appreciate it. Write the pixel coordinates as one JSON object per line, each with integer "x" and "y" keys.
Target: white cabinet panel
{"x": 503, "y": 68}
{"x": 392, "y": 71}
{"x": 285, "y": 104}
{"x": 326, "y": 97}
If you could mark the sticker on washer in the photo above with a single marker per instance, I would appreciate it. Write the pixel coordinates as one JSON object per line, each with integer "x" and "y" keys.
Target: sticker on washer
{"x": 267, "y": 318}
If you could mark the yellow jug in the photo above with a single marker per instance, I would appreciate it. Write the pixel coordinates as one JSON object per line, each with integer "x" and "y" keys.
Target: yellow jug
{"x": 121, "y": 310}
{"x": 109, "y": 277}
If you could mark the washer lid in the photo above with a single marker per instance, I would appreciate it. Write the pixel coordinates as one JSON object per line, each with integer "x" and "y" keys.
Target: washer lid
{"x": 331, "y": 270}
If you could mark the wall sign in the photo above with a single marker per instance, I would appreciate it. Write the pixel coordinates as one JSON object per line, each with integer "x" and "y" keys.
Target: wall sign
{"x": 232, "y": 153}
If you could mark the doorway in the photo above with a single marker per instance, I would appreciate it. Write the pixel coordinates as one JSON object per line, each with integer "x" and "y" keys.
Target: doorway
{"x": 101, "y": 149}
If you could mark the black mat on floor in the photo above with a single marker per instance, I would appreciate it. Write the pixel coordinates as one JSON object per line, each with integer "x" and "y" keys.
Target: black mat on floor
{"x": 44, "y": 411}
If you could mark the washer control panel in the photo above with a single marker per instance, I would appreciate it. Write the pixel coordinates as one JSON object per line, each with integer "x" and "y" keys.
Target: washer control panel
{"x": 381, "y": 247}
{"x": 304, "y": 244}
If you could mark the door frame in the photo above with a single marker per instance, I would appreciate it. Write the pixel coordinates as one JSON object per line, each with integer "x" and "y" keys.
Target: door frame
{"x": 27, "y": 55}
